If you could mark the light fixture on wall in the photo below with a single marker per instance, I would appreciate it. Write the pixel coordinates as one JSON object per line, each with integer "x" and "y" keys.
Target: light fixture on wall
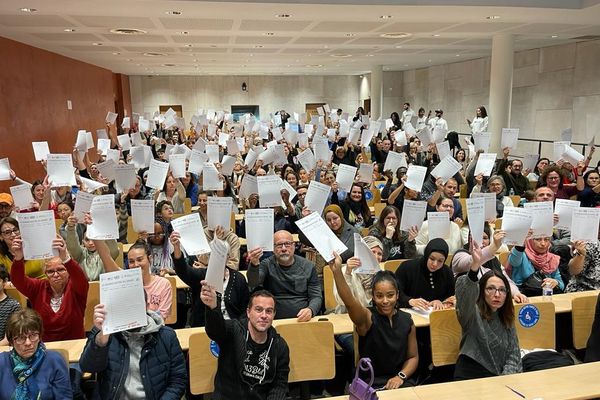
{"x": 244, "y": 87}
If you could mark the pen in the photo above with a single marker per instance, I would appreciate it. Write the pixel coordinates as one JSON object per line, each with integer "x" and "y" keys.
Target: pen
{"x": 514, "y": 391}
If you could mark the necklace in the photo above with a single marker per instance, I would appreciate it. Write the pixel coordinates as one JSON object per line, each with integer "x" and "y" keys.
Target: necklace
{"x": 55, "y": 303}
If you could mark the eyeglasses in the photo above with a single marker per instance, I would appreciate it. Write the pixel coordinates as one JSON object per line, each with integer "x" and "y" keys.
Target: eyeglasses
{"x": 491, "y": 290}
{"x": 33, "y": 337}
{"x": 552, "y": 178}
{"x": 55, "y": 271}
{"x": 9, "y": 232}
{"x": 284, "y": 244}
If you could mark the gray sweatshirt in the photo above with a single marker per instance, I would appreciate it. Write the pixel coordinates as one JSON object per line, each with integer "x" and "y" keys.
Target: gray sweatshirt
{"x": 295, "y": 287}
{"x": 489, "y": 343}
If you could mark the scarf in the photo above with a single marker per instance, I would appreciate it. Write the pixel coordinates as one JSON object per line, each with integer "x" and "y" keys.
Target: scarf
{"x": 23, "y": 370}
{"x": 546, "y": 262}
{"x": 338, "y": 211}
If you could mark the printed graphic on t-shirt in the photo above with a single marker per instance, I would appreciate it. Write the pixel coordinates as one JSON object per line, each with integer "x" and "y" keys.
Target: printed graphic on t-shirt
{"x": 256, "y": 364}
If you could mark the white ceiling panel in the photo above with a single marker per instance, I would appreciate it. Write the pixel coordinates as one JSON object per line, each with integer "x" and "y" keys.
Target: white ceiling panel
{"x": 114, "y": 22}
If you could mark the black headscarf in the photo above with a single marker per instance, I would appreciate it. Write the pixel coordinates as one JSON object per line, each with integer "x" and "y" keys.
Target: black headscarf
{"x": 437, "y": 245}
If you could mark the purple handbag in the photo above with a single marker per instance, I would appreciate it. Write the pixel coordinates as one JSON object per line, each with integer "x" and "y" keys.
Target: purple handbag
{"x": 359, "y": 389}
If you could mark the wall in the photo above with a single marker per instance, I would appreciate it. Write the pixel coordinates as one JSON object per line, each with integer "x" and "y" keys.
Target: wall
{"x": 271, "y": 93}
{"x": 34, "y": 88}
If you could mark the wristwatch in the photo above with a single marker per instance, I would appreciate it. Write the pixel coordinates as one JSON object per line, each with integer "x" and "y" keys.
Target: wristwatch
{"x": 402, "y": 375}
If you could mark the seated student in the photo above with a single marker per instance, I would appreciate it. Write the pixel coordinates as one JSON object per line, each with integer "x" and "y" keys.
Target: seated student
{"x": 60, "y": 300}
{"x": 292, "y": 279}
{"x": 454, "y": 239}
{"x": 159, "y": 239}
{"x": 489, "y": 344}
{"x": 65, "y": 211}
{"x": 9, "y": 229}
{"x": 354, "y": 208}
{"x": 334, "y": 218}
{"x": 425, "y": 282}
{"x": 235, "y": 296}
{"x": 158, "y": 289}
{"x": 462, "y": 260}
{"x": 86, "y": 255}
{"x": 8, "y": 305}
{"x": 584, "y": 267}
{"x": 592, "y": 351}
{"x": 141, "y": 363}
{"x": 253, "y": 358}
{"x": 396, "y": 243}
{"x": 386, "y": 335}
{"x": 29, "y": 371}
{"x": 496, "y": 185}
{"x": 533, "y": 266}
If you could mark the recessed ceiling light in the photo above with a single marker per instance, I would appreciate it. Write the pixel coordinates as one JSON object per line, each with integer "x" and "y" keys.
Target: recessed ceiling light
{"x": 349, "y": 34}
{"x": 554, "y": 36}
{"x": 188, "y": 45}
{"x": 213, "y": 46}
{"x": 169, "y": 65}
{"x": 128, "y": 31}
{"x": 283, "y": 15}
{"x": 69, "y": 30}
{"x": 173, "y": 12}
{"x": 258, "y": 46}
{"x": 398, "y": 47}
{"x": 341, "y": 55}
{"x": 184, "y": 33}
{"x": 195, "y": 60}
{"x": 406, "y": 65}
{"x": 428, "y": 60}
{"x": 97, "y": 44}
{"x": 152, "y": 54}
{"x": 268, "y": 34}
{"x": 129, "y": 59}
{"x": 458, "y": 55}
{"x": 314, "y": 65}
{"x": 138, "y": 65}
{"x": 28, "y": 10}
{"x": 436, "y": 35}
{"x": 385, "y": 16}
{"x": 369, "y": 55}
{"x": 492, "y": 17}
{"x": 395, "y": 35}
{"x": 361, "y": 76}
{"x": 116, "y": 53}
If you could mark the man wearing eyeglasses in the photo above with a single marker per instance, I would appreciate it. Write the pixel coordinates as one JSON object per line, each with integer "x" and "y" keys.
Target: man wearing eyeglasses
{"x": 291, "y": 279}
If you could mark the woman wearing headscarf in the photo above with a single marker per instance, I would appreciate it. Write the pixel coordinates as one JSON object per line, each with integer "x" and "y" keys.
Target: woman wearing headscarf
{"x": 342, "y": 229}
{"x": 425, "y": 282}
{"x": 533, "y": 266}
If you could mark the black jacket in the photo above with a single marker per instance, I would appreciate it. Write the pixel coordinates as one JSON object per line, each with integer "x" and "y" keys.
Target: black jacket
{"x": 236, "y": 295}
{"x": 232, "y": 338}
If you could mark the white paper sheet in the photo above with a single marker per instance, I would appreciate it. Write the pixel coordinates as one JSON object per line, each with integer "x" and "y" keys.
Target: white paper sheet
{"x": 261, "y": 224}
{"x": 269, "y": 188}
{"x": 104, "y": 225}
{"x": 142, "y": 215}
{"x": 320, "y": 236}
{"x": 103, "y": 146}
{"x": 212, "y": 151}
{"x": 40, "y": 150}
{"x": 413, "y": 214}
{"x": 530, "y": 161}
{"x": 564, "y": 210}
{"x": 510, "y": 136}
{"x": 415, "y": 176}
{"x": 368, "y": 261}
{"x": 227, "y": 165}
{"x": 566, "y": 135}
{"x": 122, "y": 293}
{"x": 443, "y": 149}
{"x": 585, "y": 223}
{"x": 125, "y": 177}
{"x": 22, "y": 196}
{"x": 394, "y": 161}
{"x": 345, "y": 177}
{"x": 559, "y": 148}
{"x": 215, "y": 272}
{"x": 113, "y": 154}
{"x": 400, "y": 137}
{"x": 307, "y": 160}
{"x": 219, "y": 212}
{"x": 177, "y": 165}
{"x": 571, "y": 155}
{"x": 316, "y": 196}
{"x": 90, "y": 185}
{"x": 439, "y": 224}
{"x": 83, "y": 204}
{"x": 192, "y": 236}
{"x": 101, "y": 134}
{"x": 439, "y": 134}
{"x": 157, "y": 174}
{"x": 476, "y": 213}
{"x": 541, "y": 218}
{"x": 124, "y": 142}
{"x": 516, "y": 223}
{"x": 365, "y": 173}
{"x": 37, "y": 232}
{"x": 249, "y": 186}
{"x": 490, "y": 204}
{"x": 485, "y": 164}
{"x": 446, "y": 169}
{"x": 60, "y": 170}
{"x": 210, "y": 180}
{"x": 197, "y": 160}
{"x": 482, "y": 141}
{"x": 111, "y": 117}
{"x": 4, "y": 170}
{"x": 107, "y": 169}
{"x": 285, "y": 185}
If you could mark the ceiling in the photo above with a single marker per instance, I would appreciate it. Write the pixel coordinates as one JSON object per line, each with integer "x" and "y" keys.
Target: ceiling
{"x": 328, "y": 37}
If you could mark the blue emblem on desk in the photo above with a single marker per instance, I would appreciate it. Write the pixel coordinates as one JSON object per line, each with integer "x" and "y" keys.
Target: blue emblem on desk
{"x": 381, "y": 186}
{"x": 214, "y": 349}
{"x": 529, "y": 315}
{"x": 368, "y": 195}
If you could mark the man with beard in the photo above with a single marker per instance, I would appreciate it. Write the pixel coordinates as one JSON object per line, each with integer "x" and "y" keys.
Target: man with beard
{"x": 292, "y": 279}
{"x": 514, "y": 179}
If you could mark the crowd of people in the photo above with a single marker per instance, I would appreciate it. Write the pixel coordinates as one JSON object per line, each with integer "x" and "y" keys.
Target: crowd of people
{"x": 437, "y": 272}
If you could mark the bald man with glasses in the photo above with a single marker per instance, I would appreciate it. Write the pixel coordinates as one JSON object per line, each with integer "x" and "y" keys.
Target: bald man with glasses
{"x": 290, "y": 278}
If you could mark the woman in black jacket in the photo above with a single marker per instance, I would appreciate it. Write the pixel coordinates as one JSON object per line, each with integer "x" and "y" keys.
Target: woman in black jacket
{"x": 235, "y": 294}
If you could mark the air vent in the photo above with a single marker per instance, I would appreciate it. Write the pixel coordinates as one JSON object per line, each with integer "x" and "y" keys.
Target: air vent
{"x": 128, "y": 31}
{"x": 396, "y": 35}
{"x": 169, "y": 65}
{"x": 339, "y": 55}
{"x": 150, "y": 54}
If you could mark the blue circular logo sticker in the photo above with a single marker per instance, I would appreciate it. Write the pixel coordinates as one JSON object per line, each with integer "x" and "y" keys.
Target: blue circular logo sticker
{"x": 214, "y": 349}
{"x": 368, "y": 195}
{"x": 529, "y": 315}
{"x": 381, "y": 186}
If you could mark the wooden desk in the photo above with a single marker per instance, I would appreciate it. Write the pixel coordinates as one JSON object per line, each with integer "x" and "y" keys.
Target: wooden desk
{"x": 179, "y": 284}
{"x": 403, "y": 394}
{"x": 574, "y": 382}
